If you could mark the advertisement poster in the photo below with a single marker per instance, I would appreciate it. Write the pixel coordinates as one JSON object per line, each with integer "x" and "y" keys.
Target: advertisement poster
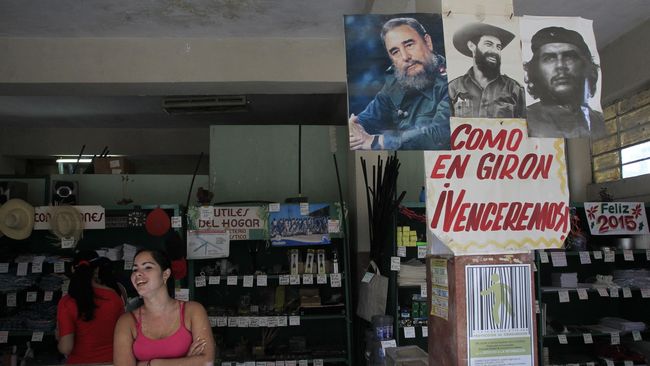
{"x": 499, "y": 315}
{"x": 439, "y": 288}
{"x": 615, "y": 218}
{"x": 397, "y": 82}
{"x": 497, "y": 191}
{"x": 202, "y": 244}
{"x": 239, "y": 221}
{"x": 300, "y": 224}
{"x": 563, "y": 77}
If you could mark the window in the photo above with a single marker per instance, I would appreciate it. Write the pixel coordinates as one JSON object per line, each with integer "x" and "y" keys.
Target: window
{"x": 625, "y": 152}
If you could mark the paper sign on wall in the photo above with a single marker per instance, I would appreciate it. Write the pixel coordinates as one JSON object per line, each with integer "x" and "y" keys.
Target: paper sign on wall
{"x": 208, "y": 244}
{"x": 94, "y": 217}
{"x": 615, "y": 218}
{"x": 496, "y": 156}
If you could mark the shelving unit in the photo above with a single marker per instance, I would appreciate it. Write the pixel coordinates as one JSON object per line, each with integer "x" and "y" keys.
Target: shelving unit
{"x": 580, "y": 307}
{"x": 254, "y": 296}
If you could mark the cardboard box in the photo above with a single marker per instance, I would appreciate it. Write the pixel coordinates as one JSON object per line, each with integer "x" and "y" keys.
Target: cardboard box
{"x": 113, "y": 166}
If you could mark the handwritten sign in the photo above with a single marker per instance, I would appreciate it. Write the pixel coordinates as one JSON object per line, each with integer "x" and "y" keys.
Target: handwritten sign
{"x": 94, "y": 217}
{"x": 615, "y": 218}
{"x": 237, "y": 220}
{"x": 496, "y": 156}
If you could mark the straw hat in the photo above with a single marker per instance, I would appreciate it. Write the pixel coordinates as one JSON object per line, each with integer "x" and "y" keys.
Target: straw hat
{"x": 66, "y": 222}
{"x": 476, "y": 30}
{"x": 16, "y": 219}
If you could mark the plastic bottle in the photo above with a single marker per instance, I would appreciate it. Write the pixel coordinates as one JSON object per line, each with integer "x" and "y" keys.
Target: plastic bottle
{"x": 335, "y": 262}
{"x": 423, "y": 195}
{"x": 13, "y": 361}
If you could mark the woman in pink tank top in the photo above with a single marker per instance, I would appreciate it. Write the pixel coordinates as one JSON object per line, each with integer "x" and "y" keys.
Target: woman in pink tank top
{"x": 163, "y": 331}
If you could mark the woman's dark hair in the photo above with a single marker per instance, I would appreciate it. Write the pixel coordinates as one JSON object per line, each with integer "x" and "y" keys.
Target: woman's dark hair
{"x": 105, "y": 274}
{"x": 81, "y": 287}
{"x": 162, "y": 259}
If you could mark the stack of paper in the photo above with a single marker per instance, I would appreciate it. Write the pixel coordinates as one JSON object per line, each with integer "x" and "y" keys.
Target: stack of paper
{"x": 622, "y": 324}
{"x": 412, "y": 273}
{"x": 566, "y": 279}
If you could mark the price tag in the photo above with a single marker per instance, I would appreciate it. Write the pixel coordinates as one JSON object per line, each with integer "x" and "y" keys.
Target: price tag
{"x": 294, "y": 279}
{"x": 425, "y": 332}
{"x": 248, "y": 281}
{"x": 182, "y": 294}
{"x": 333, "y": 226}
{"x": 582, "y": 294}
{"x": 423, "y": 289}
{"x": 401, "y": 252}
{"x": 590, "y": 364}
{"x": 283, "y": 279}
{"x": 587, "y": 338}
{"x": 205, "y": 213}
{"x": 227, "y": 364}
{"x": 597, "y": 254}
{"x": 243, "y": 322}
{"x": 388, "y": 344}
{"x": 279, "y": 363}
{"x": 22, "y": 269}
{"x": 274, "y": 207}
{"x": 4, "y": 267}
{"x": 335, "y": 279}
{"x": 543, "y": 256}
{"x": 616, "y": 338}
{"x": 307, "y": 279}
{"x": 537, "y": 310}
{"x": 4, "y": 336}
{"x": 409, "y": 332}
{"x": 367, "y": 277}
{"x": 254, "y": 322}
{"x": 321, "y": 279}
{"x": 647, "y": 254}
{"x": 294, "y": 320}
{"x": 67, "y": 243}
{"x": 64, "y": 286}
{"x": 37, "y": 267}
{"x": 48, "y": 296}
{"x": 613, "y": 292}
{"x": 564, "y": 295}
{"x": 645, "y": 292}
{"x": 31, "y": 296}
{"x": 263, "y": 321}
{"x": 627, "y": 292}
{"x": 628, "y": 363}
{"x": 558, "y": 259}
{"x": 422, "y": 251}
{"x": 282, "y": 321}
{"x": 602, "y": 292}
{"x": 290, "y": 362}
{"x": 303, "y": 363}
{"x": 11, "y": 299}
{"x": 213, "y": 321}
{"x": 214, "y": 280}
{"x": 394, "y": 263}
{"x": 231, "y": 280}
{"x": 199, "y": 281}
{"x": 304, "y": 208}
{"x": 585, "y": 258}
{"x": 562, "y": 339}
{"x": 59, "y": 267}
{"x": 636, "y": 335}
{"x": 222, "y": 321}
{"x": 628, "y": 255}
{"x": 249, "y": 363}
{"x": 37, "y": 336}
{"x": 128, "y": 265}
{"x": 177, "y": 222}
{"x": 610, "y": 256}
{"x": 232, "y": 322}
{"x": 262, "y": 280}
{"x": 318, "y": 362}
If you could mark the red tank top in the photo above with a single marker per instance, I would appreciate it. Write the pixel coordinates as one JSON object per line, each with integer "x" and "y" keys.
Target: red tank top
{"x": 174, "y": 346}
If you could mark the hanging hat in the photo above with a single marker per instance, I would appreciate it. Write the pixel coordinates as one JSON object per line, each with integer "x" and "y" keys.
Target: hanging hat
{"x": 157, "y": 222}
{"x": 559, "y": 35}
{"x": 16, "y": 219}
{"x": 66, "y": 222}
{"x": 476, "y": 30}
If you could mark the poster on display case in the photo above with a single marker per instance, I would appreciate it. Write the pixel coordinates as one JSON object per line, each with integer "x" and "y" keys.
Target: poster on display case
{"x": 499, "y": 315}
{"x": 299, "y": 224}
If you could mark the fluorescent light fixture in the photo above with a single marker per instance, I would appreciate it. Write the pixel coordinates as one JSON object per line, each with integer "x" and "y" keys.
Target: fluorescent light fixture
{"x": 82, "y": 160}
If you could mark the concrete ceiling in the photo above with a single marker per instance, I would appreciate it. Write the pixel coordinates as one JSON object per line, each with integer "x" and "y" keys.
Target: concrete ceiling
{"x": 216, "y": 19}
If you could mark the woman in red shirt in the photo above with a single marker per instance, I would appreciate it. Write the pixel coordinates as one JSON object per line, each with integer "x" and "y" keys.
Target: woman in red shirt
{"x": 86, "y": 316}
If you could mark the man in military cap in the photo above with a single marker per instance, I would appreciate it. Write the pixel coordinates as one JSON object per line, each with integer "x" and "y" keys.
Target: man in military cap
{"x": 563, "y": 76}
{"x": 483, "y": 91}
{"x": 411, "y": 111}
